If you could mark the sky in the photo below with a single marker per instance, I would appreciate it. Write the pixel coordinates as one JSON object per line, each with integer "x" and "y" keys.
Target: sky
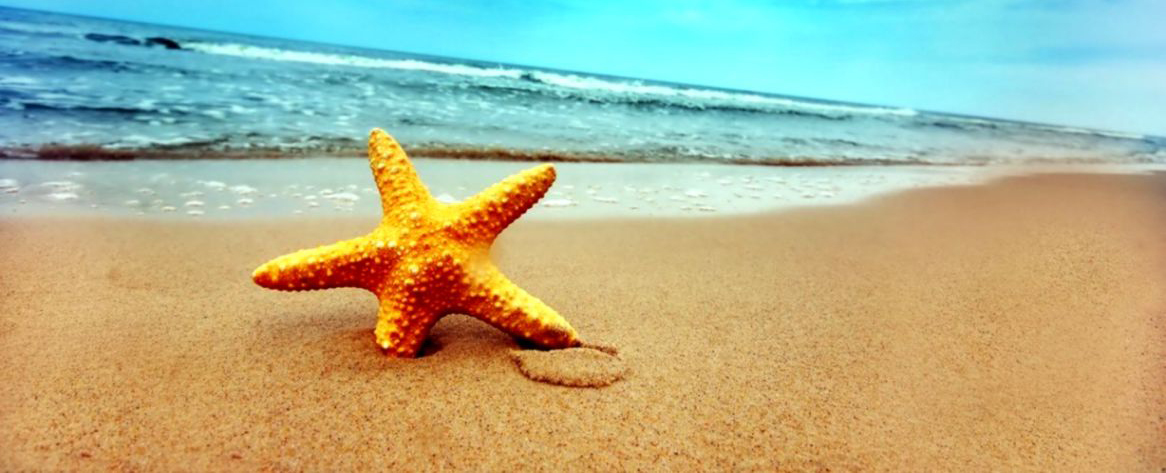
{"x": 1090, "y": 63}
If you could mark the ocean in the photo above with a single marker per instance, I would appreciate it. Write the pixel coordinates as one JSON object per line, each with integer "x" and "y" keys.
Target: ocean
{"x": 96, "y": 88}
{"x": 120, "y": 117}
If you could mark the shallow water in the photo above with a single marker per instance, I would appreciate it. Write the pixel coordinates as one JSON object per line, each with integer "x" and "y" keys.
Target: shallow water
{"x": 217, "y": 189}
{"x": 74, "y": 81}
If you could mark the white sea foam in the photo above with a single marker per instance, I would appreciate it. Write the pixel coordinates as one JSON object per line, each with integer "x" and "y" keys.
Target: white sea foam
{"x": 62, "y": 196}
{"x": 343, "y": 197}
{"x": 138, "y": 141}
{"x": 275, "y": 54}
{"x": 241, "y": 110}
{"x": 445, "y": 198}
{"x": 9, "y": 186}
{"x": 243, "y": 189}
{"x": 62, "y": 186}
{"x": 558, "y": 203}
{"x": 18, "y": 80}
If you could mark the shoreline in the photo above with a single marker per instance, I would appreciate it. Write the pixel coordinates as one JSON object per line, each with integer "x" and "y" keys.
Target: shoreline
{"x": 248, "y": 189}
{"x": 1017, "y": 323}
{"x": 90, "y": 152}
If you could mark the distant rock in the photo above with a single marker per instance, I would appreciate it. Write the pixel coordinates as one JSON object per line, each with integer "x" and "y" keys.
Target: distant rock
{"x": 128, "y": 41}
{"x": 164, "y": 42}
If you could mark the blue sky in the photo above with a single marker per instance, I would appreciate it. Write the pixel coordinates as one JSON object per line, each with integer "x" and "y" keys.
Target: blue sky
{"x": 1094, "y": 63}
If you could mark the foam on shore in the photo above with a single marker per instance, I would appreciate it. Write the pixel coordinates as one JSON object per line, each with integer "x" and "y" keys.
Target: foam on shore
{"x": 320, "y": 186}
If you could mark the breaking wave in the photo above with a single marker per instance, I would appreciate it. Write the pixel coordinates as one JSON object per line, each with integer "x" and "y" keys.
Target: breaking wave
{"x": 973, "y": 123}
{"x": 276, "y": 54}
{"x": 712, "y": 97}
{"x": 562, "y": 84}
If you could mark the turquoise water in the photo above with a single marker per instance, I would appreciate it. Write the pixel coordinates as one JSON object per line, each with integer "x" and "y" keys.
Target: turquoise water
{"x": 116, "y": 85}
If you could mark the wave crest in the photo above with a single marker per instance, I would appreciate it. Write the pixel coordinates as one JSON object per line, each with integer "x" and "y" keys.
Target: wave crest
{"x": 562, "y": 84}
{"x": 276, "y": 54}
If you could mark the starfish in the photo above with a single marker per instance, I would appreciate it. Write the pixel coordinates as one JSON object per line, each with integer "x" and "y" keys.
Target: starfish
{"x": 427, "y": 259}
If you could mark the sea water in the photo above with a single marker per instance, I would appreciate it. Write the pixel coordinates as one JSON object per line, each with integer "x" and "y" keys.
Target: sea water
{"x": 76, "y": 80}
{"x": 87, "y": 88}
{"x": 341, "y": 186}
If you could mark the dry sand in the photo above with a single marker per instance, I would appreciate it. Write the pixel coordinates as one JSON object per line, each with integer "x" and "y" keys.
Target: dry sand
{"x": 1015, "y": 325}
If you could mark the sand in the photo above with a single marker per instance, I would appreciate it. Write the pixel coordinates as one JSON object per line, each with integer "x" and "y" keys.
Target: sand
{"x": 1017, "y": 325}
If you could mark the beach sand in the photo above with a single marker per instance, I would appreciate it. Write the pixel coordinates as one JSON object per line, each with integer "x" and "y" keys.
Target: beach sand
{"x": 1015, "y": 325}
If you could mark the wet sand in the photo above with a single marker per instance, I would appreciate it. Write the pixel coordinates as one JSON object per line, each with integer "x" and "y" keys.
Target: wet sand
{"x": 1017, "y": 325}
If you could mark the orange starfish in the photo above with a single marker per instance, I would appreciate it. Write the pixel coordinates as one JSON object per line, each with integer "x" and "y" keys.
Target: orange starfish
{"x": 427, "y": 259}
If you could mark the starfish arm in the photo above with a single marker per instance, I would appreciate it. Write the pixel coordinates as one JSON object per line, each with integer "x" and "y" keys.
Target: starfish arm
{"x": 496, "y": 300}
{"x": 428, "y": 259}
{"x": 340, "y": 264}
{"x": 402, "y": 192}
{"x": 482, "y": 217}
{"x": 402, "y": 327}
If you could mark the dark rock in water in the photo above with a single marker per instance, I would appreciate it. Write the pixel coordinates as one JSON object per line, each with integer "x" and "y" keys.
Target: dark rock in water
{"x": 164, "y": 42}
{"x": 128, "y": 41}
{"x": 112, "y": 38}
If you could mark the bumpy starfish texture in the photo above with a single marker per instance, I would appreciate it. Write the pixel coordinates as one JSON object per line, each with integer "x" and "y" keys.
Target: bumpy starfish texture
{"x": 427, "y": 259}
